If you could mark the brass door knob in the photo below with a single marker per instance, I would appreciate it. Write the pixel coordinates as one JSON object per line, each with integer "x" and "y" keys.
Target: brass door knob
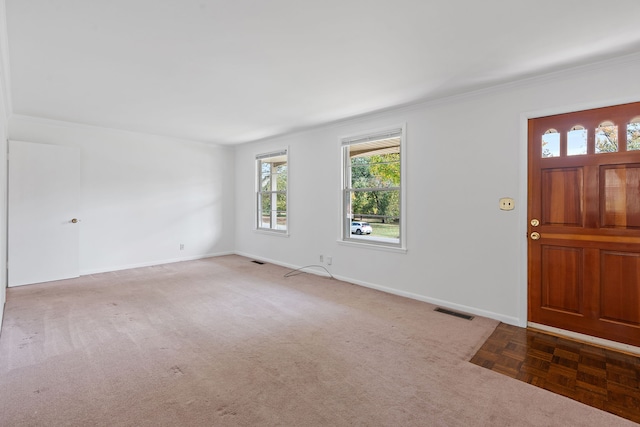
{"x": 74, "y": 220}
{"x": 535, "y": 236}
{"x": 535, "y": 222}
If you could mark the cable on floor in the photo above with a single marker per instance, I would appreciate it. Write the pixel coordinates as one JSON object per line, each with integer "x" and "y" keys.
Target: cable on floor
{"x": 299, "y": 271}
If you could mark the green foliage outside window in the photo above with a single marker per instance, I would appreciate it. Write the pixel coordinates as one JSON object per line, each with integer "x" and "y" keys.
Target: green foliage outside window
{"x": 377, "y": 173}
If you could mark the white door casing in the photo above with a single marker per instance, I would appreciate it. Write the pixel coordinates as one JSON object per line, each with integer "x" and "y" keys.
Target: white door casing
{"x": 43, "y": 239}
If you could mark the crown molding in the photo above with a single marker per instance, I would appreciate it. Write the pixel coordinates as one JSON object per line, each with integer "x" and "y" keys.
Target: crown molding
{"x": 427, "y": 102}
{"x": 495, "y": 88}
{"x": 83, "y": 126}
{"x": 536, "y": 79}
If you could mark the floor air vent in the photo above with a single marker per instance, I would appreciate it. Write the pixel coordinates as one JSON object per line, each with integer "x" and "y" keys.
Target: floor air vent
{"x": 258, "y": 262}
{"x": 454, "y": 313}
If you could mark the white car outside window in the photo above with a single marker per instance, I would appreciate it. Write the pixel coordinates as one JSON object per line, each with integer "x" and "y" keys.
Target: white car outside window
{"x": 358, "y": 227}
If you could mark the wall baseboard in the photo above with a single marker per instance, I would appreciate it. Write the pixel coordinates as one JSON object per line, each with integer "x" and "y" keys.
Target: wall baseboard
{"x": 152, "y": 263}
{"x": 435, "y": 301}
{"x": 307, "y": 269}
{"x": 321, "y": 272}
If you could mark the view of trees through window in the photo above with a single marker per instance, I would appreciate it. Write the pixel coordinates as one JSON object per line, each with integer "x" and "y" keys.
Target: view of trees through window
{"x": 606, "y": 139}
{"x": 374, "y": 188}
{"x": 272, "y": 191}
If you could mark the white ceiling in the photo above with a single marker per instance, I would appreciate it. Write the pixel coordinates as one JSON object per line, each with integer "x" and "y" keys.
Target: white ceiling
{"x": 231, "y": 71}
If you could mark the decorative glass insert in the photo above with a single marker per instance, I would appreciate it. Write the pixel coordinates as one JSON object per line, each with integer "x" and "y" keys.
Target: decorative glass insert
{"x": 577, "y": 141}
{"x": 551, "y": 143}
{"x": 633, "y": 134}
{"x": 606, "y": 138}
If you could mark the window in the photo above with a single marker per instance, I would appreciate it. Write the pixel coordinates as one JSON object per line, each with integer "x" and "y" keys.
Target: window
{"x": 551, "y": 143}
{"x": 372, "y": 188}
{"x": 577, "y": 141}
{"x": 633, "y": 134}
{"x": 606, "y": 137}
{"x": 271, "y": 187}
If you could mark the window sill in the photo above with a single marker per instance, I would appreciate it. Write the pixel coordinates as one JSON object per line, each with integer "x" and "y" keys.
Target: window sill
{"x": 271, "y": 232}
{"x": 373, "y": 246}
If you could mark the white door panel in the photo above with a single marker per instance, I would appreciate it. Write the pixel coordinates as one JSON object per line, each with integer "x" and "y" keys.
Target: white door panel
{"x": 44, "y": 184}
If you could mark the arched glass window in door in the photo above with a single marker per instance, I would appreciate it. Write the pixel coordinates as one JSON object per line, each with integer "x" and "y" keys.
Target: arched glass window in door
{"x": 606, "y": 138}
{"x": 577, "y": 141}
{"x": 633, "y": 134}
{"x": 551, "y": 143}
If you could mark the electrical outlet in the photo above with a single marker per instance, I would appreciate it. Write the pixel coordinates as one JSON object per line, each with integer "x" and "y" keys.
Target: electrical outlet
{"x": 329, "y": 260}
{"x": 182, "y": 246}
{"x": 321, "y": 258}
{"x": 507, "y": 204}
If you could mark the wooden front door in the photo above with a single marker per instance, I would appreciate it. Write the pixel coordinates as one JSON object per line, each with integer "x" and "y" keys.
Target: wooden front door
{"x": 584, "y": 222}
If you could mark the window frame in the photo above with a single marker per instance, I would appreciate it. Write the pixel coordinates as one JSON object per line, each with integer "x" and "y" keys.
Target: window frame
{"x": 273, "y": 192}
{"x": 345, "y": 191}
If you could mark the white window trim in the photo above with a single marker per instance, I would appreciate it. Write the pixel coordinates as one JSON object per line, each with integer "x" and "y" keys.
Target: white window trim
{"x": 256, "y": 180}
{"x": 347, "y": 240}
{"x": 271, "y": 232}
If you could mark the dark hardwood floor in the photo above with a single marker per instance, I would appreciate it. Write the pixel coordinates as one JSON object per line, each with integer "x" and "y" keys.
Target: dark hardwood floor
{"x": 596, "y": 376}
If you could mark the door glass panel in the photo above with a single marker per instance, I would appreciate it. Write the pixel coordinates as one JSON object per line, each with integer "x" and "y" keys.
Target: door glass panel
{"x": 551, "y": 143}
{"x": 577, "y": 141}
{"x": 607, "y": 138}
{"x": 633, "y": 135}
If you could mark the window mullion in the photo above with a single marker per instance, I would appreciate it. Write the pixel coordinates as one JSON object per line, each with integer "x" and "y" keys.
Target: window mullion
{"x": 364, "y": 189}
{"x": 273, "y": 217}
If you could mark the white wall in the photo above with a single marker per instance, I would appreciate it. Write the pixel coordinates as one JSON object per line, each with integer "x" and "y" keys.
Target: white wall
{"x": 5, "y": 110}
{"x": 3, "y": 200}
{"x": 143, "y": 195}
{"x": 463, "y": 154}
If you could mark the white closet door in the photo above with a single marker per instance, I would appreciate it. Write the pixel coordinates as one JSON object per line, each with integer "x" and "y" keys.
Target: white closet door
{"x": 43, "y": 234}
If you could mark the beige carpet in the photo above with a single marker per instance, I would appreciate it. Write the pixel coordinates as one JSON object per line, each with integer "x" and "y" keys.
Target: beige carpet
{"x": 224, "y": 341}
